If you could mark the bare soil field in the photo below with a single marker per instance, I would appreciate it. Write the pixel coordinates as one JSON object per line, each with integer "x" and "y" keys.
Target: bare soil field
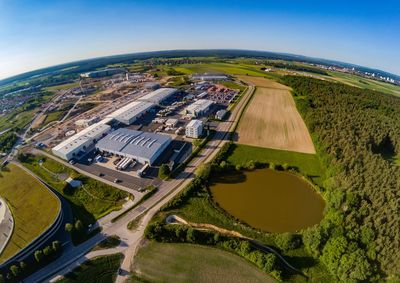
{"x": 271, "y": 119}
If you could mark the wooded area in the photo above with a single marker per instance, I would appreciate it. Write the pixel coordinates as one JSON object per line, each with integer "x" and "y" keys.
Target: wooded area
{"x": 357, "y": 133}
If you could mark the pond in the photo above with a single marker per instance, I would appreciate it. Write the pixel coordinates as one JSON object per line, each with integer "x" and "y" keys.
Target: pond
{"x": 272, "y": 201}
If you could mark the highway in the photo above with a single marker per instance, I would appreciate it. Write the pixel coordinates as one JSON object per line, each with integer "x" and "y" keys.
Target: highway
{"x": 167, "y": 191}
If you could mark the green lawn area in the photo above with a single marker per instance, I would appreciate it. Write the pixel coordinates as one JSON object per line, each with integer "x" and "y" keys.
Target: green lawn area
{"x": 98, "y": 270}
{"x": 62, "y": 87}
{"x": 33, "y": 206}
{"x": 157, "y": 262}
{"x": 227, "y": 68}
{"x": 91, "y": 201}
{"x": 307, "y": 164}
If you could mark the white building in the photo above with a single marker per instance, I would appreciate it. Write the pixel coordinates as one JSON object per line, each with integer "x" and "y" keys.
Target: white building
{"x": 158, "y": 95}
{"x": 142, "y": 147}
{"x": 76, "y": 145}
{"x": 171, "y": 122}
{"x": 199, "y": 108}
{"x": 87, "y": 122}
{"x": 131, "y": 112}
{"x": 209, "y": 77}
{"x": 194, "y": 129}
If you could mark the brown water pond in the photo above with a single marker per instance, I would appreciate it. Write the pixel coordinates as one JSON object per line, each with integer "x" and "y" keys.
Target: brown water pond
{"x": 269, "y": 200}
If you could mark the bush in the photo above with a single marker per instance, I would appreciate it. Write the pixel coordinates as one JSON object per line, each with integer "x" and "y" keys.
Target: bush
{"x": 288, "y": 241}
{"x": 164, "y": 171}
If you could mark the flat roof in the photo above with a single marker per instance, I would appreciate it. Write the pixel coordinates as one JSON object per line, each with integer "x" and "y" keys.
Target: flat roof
{"x": 82, "y": 137}
{"x": 131, "y": 110}
{"x": 199, "y": 105}
{"x": 194, "y": 123}
{"x": 134, "y": 143}
{"x": 158, "y": 95}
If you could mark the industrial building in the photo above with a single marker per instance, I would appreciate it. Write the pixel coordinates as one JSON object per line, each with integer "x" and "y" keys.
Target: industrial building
{"x": 87, "y": 122}
{"x": 209, "y": 77}
{"x": 142, "y": 147}
{"x": 103, "y": 73}
{"x": 134, "y": 110}
{"x": 131, "y": 112}
{"x": 194, "y": 129}
{"x": 158, "y": 95}
{"x": 76, "y": 145}
{"x": 220, "y": 115}
{"x": 199, "y": 108}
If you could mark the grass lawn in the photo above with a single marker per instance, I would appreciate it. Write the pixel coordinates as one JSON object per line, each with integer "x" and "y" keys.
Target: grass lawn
{"x": 227, "y": 68}
{"x": 89, "y": 202}
{"x": 308, "y": 164}
{"x": 98, "y": 270}
{"x": 33, "y": 207}
{"x": 157, "y": 262}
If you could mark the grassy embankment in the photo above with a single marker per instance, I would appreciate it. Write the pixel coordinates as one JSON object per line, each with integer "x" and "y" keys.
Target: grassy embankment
{"x": 157, "y": 262}
{"x": 89, "y": 202}
{"x": 33, "y": 207}
{"x": 100, "y": 269}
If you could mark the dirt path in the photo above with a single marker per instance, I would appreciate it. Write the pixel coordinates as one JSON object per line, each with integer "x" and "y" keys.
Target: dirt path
{"x": 271, "y": 120}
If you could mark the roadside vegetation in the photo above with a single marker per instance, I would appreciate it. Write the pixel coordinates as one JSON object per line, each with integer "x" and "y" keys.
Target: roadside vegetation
{"x": 101, "y": 269}
{"x": 7, "y": 141}
{"x": 161, "y": 262}
{"x": 33, "y": 207}
{"x": 90, "y": 201}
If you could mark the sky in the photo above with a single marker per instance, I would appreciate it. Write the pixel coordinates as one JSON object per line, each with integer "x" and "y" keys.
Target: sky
{"x": 41, "y": 33}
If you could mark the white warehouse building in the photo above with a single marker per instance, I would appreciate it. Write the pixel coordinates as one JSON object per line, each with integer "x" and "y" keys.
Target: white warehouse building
{"x": 141, "y": 146}
{"x": 158, "y": 95}
{"x": 199, "y": 108}
{"x": 134, "y": 110}
{"x": 76, "y": 145}
{"x": 194, "y": 129}
{"x": 131, "y": 112}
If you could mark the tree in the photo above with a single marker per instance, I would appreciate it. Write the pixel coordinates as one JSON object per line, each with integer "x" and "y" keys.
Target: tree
{"x": 78, "y": 225}
{"x": 164, "y": 171}
{"x": 15, "y": 270}
{"x": 56, "y": 245}
{"x": 333, "y": 251}
{"x": 38, "y": 255}
{"x": 48, "y": 251}
{"x": 2, "y": 280}
{"x": 23, "y": 265}
{"x": 69, "y": 227}
{"x": 288, "y": 241}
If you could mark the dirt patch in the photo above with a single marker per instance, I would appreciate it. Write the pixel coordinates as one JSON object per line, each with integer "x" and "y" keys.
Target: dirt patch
{"x": 271, "y": 119}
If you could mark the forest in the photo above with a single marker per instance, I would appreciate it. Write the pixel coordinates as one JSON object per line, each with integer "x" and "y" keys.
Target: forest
{"x": 356, "y": 132}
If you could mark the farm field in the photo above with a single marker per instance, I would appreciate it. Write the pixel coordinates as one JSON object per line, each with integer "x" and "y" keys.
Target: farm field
{"x": 62, "y": 87}
{"x": 271, "y": 120}
{"x": 100, "y": 269}
{"x": 26, "y": 198}
{"x": 158, "y": 262}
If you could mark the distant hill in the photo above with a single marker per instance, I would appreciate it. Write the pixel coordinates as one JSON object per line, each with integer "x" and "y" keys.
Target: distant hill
{"x": 93, "y": 63}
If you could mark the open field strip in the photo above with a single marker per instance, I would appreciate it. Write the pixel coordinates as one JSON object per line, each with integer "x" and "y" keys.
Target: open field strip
{"x": 271, "y": 119}
{"x": 193, "y": 263}
{"x": 33, "y": 206}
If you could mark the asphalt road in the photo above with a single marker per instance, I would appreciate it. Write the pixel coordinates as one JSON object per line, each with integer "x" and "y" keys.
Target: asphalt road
{"x": 167, "y": 190}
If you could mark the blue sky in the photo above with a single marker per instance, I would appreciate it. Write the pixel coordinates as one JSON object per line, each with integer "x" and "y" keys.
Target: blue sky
{"x": 41, "y": 33}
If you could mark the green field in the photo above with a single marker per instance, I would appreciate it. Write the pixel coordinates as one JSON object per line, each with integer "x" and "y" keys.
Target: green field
{"x": 158, "y": 262}
{"x": 62, "y": 87}
{"x": 227, "y": 68}
{"x": 91, "y": 201}
{"x": 33, "y": 207}
{"x": 307, "y": 164}
{"x": 366, "y": 83}
{"x": 98, "y": 270}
